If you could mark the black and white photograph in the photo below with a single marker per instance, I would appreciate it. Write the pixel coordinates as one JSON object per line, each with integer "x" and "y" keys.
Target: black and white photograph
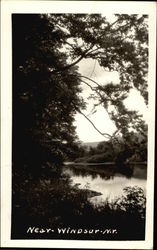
{"x": 82, "y": 125}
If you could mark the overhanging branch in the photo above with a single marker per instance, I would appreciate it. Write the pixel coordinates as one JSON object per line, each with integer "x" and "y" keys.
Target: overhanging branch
{"x": 103, "y": 134}
{"x": 106, "y": 135}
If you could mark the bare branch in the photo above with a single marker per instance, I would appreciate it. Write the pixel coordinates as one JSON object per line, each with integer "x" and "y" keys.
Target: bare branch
{"x": 93, "y": 68}
{"x": 68, "y": 66}
{"x": 103, "y": 134}
{"x": 90, "y": 80}
{"x": 113, "y": 137}
{"x": 92, "y": 88}
{"x": 83, "y": 55}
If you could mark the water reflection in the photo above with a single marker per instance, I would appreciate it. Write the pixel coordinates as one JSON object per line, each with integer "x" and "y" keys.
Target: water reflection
{"x": 85, "y": 172}
{"x": 106, "y": 179}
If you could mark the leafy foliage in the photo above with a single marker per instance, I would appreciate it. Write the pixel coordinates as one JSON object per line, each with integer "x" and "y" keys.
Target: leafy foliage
{"x": 126, "y": 149}
{"x": 43, "y": 111}
{"x": 46, "y": 82}
{"x": 133, "y": 201}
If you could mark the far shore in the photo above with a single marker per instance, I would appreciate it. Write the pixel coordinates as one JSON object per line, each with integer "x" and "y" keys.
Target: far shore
{"x": 102, "y": 163}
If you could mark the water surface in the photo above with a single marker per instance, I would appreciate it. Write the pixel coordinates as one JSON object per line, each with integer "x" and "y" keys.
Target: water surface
{"x": 106, "y": 180}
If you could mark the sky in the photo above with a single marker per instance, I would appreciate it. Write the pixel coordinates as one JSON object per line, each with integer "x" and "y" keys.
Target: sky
{"x": 84, "y": 130}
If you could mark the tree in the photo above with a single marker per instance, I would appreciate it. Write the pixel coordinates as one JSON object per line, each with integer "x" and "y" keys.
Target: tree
{"x": 46, "y": 82}
{"x": 43, "y": 110}
{"x": 118, "y": 46}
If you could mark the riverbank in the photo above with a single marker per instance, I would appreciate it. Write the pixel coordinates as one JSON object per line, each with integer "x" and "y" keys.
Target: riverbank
{"x": 101, "y": 159}
{"x": 70, "y": 206}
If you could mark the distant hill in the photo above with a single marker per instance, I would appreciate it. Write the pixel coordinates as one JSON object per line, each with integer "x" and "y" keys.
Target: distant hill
{"x": 91, "y": 144}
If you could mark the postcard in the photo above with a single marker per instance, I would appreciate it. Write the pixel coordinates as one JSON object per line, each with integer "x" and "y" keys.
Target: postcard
{"x": 78, "y": 124}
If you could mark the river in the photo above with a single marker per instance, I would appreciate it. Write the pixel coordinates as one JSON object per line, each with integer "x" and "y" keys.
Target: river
{"x": 105, "y": 180}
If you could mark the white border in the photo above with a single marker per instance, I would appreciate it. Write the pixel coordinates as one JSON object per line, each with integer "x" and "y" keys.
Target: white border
{"x": 9, "y": 7}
